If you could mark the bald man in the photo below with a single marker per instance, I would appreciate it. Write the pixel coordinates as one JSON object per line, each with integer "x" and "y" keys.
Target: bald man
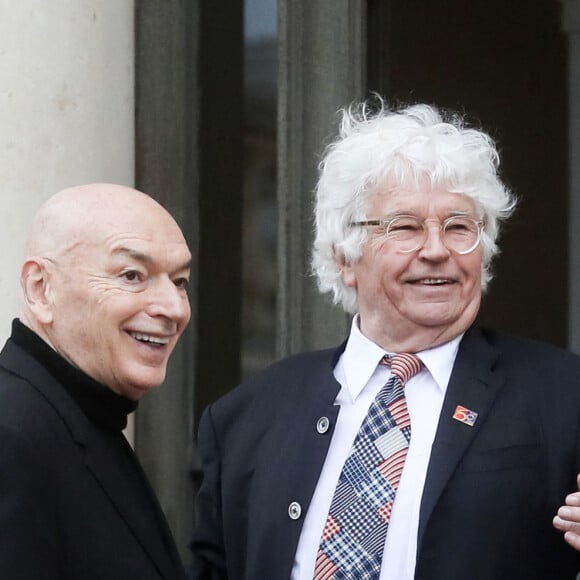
{"x": 104, "y": 287}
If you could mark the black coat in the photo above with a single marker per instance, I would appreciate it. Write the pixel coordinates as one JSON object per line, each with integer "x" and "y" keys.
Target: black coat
{"x": 491, "y": 490}
{"x": 67, "y": 507}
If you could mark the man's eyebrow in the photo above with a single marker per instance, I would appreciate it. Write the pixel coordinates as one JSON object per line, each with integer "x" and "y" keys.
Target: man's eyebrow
{"x": 185, "y": 266}
{"x": 146, "y": 258}
{"x": 134, "y": 254}
{"x": 461, "y": 212}
{"x": 413, "y": 213}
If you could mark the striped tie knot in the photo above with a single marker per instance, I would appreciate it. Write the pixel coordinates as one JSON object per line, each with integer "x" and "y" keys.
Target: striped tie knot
{"x": 403, "y": 365}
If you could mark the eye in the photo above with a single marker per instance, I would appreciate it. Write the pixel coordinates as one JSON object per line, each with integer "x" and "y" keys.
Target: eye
{"x": 461, "y": 226}
{"x": 182, "y": 283}
{"x": 132, "y": 276}
{"x": 404, "y": 227}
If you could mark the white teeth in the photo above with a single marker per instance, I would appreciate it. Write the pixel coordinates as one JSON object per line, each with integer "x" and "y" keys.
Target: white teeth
{"x": 434, "y": 281}
{"x": 149, "y": 338}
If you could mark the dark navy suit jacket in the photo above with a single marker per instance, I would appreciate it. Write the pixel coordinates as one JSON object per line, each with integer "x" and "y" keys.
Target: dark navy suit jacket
{"x": 491, "y": 489}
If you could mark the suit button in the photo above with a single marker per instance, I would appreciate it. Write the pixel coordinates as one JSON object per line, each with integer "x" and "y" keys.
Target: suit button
{"x": 294, "y": 510}
{"x": 322, "y": 425}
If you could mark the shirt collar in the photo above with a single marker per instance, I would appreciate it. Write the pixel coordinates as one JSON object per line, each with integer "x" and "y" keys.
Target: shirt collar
{"x": 439, "y": 361}
{"x": 361, "y": 357}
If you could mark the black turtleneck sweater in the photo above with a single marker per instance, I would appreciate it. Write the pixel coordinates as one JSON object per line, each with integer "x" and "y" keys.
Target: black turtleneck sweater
{"x": 107, "y": 411}
{"x": 104, "y": 408}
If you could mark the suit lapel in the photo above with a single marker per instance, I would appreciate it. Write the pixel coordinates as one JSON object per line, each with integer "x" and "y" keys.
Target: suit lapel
{"x": 473, "y": 384}
{"x": 299, "y": 465}
{"x": 122, "y": 493}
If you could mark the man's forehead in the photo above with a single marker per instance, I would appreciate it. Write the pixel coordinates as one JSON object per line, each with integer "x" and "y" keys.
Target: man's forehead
{"x": 97, "y": 222}
{"x": 420, "y": 200}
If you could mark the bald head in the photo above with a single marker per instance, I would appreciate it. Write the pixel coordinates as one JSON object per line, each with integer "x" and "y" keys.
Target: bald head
{"x": 70, "y": 216}
{"x": 104, "y": 283}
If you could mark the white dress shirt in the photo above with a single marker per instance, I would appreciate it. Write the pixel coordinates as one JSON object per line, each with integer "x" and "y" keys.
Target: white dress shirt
{"x": 361, "y": 378}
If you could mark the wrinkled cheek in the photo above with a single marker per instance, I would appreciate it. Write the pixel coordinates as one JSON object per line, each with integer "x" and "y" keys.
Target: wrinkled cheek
{"x": 472, "y": 293}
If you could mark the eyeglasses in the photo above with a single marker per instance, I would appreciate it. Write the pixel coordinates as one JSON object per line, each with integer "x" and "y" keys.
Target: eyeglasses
{"x": 461, "y": 234}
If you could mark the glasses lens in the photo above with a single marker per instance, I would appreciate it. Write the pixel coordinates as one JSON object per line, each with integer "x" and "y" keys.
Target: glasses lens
{"x": 461, "y": 234}
{"x": 407, "y": 233}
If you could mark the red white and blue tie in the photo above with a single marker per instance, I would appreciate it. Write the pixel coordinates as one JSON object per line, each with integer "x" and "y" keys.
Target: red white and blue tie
{"x": 353, "y": 538}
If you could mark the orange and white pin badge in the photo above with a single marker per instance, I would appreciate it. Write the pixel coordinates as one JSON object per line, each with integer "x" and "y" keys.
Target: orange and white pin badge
{"x": 465, "y": 415}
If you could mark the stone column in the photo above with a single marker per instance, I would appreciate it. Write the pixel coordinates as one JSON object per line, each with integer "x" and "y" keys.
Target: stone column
{"x": 321, "y": 68}
{"x": 66, "y": 112}
{"x": 571, "y": 24}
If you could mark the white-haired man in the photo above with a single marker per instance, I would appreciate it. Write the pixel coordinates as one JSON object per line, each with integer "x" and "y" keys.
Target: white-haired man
{"x": 423, "y": 447}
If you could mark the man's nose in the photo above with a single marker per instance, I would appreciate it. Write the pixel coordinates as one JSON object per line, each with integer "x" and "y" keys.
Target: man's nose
{"x": 169, "y": 300}
{"x": 434, "y": 248}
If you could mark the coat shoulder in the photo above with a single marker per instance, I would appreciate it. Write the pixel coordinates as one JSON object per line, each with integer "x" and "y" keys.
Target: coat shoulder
{"x": 534, "y": 353}
{"x": 282, "y": 385}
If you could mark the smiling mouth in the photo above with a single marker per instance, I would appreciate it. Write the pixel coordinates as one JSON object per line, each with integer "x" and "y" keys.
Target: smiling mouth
{"x": 433, "y": 281}
{"x": 149, "y": 339}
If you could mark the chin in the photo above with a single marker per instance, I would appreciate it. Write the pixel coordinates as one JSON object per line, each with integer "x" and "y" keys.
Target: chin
{"x": 135, "y": 392}
{"x": 435, "y": 321}
{"x": 135, "y": 388}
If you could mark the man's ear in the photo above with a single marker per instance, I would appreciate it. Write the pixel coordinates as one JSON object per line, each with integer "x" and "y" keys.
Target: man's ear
{"x": 345, "y": 268}
{"x": 36, "y": 288}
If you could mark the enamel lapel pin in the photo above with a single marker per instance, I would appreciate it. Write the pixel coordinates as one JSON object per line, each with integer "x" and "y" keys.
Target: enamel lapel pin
{"x": 465, "y": 415}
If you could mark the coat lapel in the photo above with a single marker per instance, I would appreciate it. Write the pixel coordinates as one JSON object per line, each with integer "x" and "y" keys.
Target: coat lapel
{"x": 474, "y": 384}
{"x": 122, "y": 493}
{"x": 297, "y": 460}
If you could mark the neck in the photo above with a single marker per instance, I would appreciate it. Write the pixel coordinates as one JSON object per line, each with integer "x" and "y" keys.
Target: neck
{"x": 412, "y": 340}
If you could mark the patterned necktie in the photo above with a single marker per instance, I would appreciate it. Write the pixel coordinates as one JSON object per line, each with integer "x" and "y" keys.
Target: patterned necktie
{"x": 354, "y": 535}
